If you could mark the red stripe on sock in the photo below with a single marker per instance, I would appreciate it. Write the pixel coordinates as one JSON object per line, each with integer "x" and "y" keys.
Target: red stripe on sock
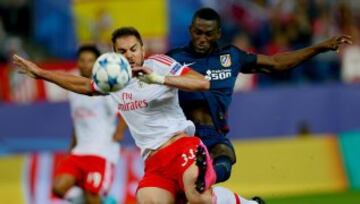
{"x": 237, "y": 199}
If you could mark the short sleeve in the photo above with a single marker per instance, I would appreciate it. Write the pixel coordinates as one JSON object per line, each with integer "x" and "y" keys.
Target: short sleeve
{"x": 166, "y": 65}
{"x": 248, "y": 61}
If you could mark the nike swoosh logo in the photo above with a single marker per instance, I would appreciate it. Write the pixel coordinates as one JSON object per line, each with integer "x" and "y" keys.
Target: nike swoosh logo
{"x": 187, "y": 65}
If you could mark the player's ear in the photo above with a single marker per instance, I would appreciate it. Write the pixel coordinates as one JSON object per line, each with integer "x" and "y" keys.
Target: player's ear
{"x": 143, "y": 50}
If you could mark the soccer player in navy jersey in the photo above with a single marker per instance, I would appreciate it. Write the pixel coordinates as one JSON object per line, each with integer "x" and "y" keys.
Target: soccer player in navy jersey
{"x": 221, "y": 65}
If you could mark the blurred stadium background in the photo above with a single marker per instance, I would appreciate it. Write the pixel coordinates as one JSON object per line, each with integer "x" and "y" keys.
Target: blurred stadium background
{"x": 297, "y": 134}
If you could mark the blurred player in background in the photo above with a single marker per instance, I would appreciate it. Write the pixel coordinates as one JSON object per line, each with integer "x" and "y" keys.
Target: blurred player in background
{"x": 95, "y": 148}
{"x": 176, "y": 163}
{"x": 221, "y": 65}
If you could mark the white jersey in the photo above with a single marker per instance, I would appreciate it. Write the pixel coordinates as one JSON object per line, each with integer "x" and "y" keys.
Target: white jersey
{"x": 152, "y": 112}
{"x": 95, "y": 121}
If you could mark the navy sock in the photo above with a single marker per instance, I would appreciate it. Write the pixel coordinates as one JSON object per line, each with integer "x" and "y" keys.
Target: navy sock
{"x": 222, "y": 166}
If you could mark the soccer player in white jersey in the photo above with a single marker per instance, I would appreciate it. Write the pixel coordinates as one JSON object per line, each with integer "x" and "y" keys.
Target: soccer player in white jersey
{"x": 177, "y": 164}
{"x": 95, "y": 148}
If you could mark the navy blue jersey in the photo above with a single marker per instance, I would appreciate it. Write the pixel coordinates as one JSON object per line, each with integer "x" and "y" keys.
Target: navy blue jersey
{"x": 221, "y": 68}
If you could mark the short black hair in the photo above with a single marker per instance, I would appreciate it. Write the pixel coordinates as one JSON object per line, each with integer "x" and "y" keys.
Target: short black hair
{"x": 126, "y": 31}
{"x": 88, "y": 48}
{"x": 207, "y": 14}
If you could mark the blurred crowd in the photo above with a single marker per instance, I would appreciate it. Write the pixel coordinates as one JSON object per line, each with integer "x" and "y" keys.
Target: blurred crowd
{"x": 259, "y": 26}
{"x": 15, "y": 27}
{"x": 271, "y": 26}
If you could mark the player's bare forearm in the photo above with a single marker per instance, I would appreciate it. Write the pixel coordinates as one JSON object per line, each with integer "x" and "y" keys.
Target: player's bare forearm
{"x": 192, "y": 81}
{"x": 70, "y": 82}
{"x": 77, "y": 84}
{"x": 287, "y": 60}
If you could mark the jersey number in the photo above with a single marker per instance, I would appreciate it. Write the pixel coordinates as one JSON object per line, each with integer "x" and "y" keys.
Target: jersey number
{"x": 94, "y": 178}
{"x": 188, "y": 157}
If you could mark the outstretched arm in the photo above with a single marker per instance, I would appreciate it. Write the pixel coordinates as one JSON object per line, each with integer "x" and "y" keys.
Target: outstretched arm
{"x": 70, "y": 82}
{"x": 190, "y": 81}
{"x": 287, "y": 60}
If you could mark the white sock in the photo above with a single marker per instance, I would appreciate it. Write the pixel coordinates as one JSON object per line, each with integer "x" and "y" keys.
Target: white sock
{"x": 224, "y": 195}
{"x": 75, "y": 195}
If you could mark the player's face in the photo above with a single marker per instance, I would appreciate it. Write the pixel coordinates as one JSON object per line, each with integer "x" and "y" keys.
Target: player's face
{"x": 204, "y": 34}
{"x": 131, "y": 48}
{"x": 85, "y": 63}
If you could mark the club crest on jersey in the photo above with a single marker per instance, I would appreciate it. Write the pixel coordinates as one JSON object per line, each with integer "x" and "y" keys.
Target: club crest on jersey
{"x": 225, "y": 60}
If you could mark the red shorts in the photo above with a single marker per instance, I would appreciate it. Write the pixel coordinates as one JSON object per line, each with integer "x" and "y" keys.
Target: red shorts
{"x": 93, "y": 174}
{"x": 165, "y": 168}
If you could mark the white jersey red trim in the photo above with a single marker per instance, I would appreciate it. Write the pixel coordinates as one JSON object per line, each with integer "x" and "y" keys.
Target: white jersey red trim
{"x": 94, "y": 120}
{"x": 152, "y": 112}
{"x": 162, "y": 59}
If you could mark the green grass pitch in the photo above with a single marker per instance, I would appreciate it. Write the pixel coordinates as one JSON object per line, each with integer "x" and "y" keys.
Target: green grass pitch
{"x": 350, "y": 197}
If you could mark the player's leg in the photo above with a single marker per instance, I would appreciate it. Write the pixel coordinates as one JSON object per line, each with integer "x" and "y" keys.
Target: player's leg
{"x": 62, "y": 184}
{"x": 223, "y": 158}
{"x": 75, "y": 195}
{"x": 192, "y": 195}
{"x": 220, "y": 148}
{"x": 154, "y": 195}
{"x": 98, "y": 178}
{"x": 199, "y": 177}
{"x": 157, "y": 185}
{"x": 202, "y": 182}
{"x": 224, "y": 195}
{"x": 66, "y": 175}
{"x": 92, "y": 198}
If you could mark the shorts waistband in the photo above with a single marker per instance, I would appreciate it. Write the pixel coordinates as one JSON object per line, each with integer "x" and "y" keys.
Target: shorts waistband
{"x": 168, "y": 148}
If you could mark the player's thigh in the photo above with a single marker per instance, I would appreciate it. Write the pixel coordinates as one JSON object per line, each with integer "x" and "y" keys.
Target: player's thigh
{"x": 154, "y": 195}
{"x": 62, "y": 183}
{"x": 223, "y": 150}
{"x": 192, "y": 195}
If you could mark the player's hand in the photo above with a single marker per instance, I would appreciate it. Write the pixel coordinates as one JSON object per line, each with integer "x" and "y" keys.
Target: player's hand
{"x": 147, "y": 75}
{"x": 26, "y": 67}
{"x": 141, "y": 71}
{"x": 334, "y": 43}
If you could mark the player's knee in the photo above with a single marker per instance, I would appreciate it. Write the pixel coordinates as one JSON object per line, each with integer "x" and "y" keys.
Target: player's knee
{"x": 220, "y": 150}
{"x": 195, "y": 197}
{"x": 59, "y": 190}
{"x": 196, "y": 200}
{"x": 222, "y": 166}
{"x": 62, "y": 185}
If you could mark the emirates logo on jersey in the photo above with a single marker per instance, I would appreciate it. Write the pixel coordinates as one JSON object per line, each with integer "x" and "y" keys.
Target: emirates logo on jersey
{"x": 129, "y": 104}
{"x": 133, "y": 105}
